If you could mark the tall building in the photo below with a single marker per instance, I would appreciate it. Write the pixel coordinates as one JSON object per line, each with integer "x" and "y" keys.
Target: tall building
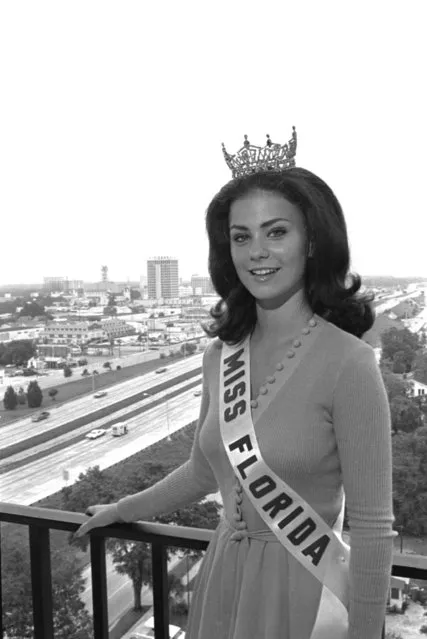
{"x": 55, "y": 284}
{"x": 202, "y": 285}
{"x": 162, "y": 278}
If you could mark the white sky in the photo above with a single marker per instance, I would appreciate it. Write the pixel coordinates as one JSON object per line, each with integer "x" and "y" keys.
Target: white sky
{"x": 112, "y": 117}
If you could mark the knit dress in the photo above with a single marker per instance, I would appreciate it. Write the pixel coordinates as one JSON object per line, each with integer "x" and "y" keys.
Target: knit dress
{"x": 327, "y": 430}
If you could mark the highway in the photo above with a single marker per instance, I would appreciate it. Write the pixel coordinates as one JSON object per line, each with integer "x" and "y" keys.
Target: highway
{"x": 22, "y": 429}
{"x": 101, "y": 423}
{"x": 43, "y": 477}
{"x": 382, "y": 307}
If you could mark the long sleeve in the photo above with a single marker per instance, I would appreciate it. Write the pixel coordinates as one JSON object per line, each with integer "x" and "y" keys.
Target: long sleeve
{"x": 189, "y": 483}
{"x": 361, "y": 419}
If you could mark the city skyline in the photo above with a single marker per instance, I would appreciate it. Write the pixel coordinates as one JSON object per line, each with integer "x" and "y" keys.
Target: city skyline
{"x": 111, "y": 150}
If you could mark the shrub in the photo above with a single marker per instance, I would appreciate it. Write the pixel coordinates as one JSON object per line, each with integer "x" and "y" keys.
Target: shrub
{"x": 34, "y": 395}
{"x": 52, "y": 393}
{"x": 423, "y": 630}
{"x": 118, "y": 367}
{"x": 10, "y": 398}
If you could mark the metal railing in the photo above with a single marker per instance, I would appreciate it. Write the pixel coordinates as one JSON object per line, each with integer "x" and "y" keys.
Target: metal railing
{"x": 41, "y": 521}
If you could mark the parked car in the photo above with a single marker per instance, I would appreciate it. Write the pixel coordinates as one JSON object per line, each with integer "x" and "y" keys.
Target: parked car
{"x": 197, "y": 393}
{"x": 40, "y": 416}
{"x": 147, "y": 631}
{"x": 94, "y": 434}
{"x": 161, "y": 370}
{"x": 100, "y": 394}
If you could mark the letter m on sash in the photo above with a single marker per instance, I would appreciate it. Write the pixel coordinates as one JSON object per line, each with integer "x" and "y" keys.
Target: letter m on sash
{"x": 233, "y": 363}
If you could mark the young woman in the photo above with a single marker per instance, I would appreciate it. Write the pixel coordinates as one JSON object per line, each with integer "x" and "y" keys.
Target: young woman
{"x": 312, "y": 394}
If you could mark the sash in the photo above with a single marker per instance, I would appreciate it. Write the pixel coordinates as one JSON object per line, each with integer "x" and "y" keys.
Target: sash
{"x": 297, "y": 526}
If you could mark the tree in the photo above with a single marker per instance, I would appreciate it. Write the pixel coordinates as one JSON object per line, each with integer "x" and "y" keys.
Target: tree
{"x": 85, "y": 372}
{"x": 401, "y": 341}
{"x": 420, "y": 367}
{"x": 107, "y": 365}
{"x": 409, "y": 486}
{"x": 34, "y": 395}
{"x": 135, "y": 294}
{"x": 395, "y": 385}
{"x": 10, "y": 398}
{"x": 110, "y": 310}
{"x": 188, "y": 348}
{"x": 405, "y": 414}
{"x": 70, "y": 617}
{"x": 22, "y": 398}
{"x": 68, "y": 371}
{"x": 53, "y": 393}
{"x": 17, "y": 352}
{"x": 32, "y": 309}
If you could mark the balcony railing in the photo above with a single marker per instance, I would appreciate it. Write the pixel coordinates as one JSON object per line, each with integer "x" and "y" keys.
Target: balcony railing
{"x": 41, "y": 520}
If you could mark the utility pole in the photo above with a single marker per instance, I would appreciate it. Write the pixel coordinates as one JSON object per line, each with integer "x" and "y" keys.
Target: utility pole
{"x": 167, "y": 417}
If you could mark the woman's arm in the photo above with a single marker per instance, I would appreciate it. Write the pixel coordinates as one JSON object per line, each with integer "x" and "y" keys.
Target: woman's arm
{"x": 189, "y": 483}
{"x": 361, "y": 419}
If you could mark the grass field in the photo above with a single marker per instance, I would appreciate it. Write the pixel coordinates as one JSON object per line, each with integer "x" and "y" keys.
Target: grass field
{"x": 79, "y": 386}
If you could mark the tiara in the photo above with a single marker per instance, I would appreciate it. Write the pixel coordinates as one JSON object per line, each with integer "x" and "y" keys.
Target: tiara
{"x": 271, "y": 157}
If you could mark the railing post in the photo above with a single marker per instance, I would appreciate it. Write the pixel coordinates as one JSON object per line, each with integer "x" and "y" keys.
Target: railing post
{"x": 41, "y": 582}
{"x": 1, "y": 591}
{"x": 160, "y": 590}
{"x": 99, "y": 587}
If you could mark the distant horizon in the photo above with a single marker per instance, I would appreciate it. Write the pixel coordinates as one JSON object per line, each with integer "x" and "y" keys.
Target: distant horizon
{"x": 416, "y": 278}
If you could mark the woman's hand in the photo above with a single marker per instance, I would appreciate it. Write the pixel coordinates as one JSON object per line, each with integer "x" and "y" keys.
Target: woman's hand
{"x": 101, "y": 515}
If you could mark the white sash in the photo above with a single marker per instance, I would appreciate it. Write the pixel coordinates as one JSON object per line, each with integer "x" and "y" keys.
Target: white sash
{"x": 292, "y": 520}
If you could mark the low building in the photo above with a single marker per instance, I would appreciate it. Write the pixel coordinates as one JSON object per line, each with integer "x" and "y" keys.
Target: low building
{"x": 73, "y": 332}
{"x": 418, "y": 388}
{"x": 11, "y": 334}
{"x": 116, "y": 328}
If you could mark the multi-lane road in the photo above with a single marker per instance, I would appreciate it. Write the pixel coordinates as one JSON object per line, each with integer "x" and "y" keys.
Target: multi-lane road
{"x": 20, "y": 430}
{"x": 45, "y": 476}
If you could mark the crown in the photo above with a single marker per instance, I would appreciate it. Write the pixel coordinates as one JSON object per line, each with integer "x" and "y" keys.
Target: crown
{"x": 271, "y": 157}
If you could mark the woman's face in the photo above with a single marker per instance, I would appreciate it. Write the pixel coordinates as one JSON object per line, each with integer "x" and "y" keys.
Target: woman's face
{"x": 268, "y": 241}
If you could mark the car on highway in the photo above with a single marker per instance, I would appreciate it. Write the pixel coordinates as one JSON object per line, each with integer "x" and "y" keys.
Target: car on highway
{"x": 161, "y": 370}
{"x": 40, "y": 416}
{"x": 119, "y": 429}
{"x": 147, "y": 631}
{"x": 94, "y": 434}
{"x": 197, "y": 393}
{"x": 100, "y": 394}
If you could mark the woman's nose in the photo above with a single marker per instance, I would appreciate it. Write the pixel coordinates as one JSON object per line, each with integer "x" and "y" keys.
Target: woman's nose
{"x": 258, "y": 250}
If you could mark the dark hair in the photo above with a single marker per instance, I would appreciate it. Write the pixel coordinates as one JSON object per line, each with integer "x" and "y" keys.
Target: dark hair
{"x": 331, "y": 291}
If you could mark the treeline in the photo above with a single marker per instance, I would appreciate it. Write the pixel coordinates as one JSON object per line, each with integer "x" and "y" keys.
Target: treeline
{"x": 403, "y": 353}
{"x": 17, "y": 352}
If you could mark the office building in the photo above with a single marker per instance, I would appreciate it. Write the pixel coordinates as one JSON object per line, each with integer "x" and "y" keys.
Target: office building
{"x": 162, "y": 278}
{"x": 56, "y": 284}
{"x": 202, "y": 285}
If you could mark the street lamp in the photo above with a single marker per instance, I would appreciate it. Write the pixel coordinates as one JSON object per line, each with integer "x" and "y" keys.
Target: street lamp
{"x": 167, "y": 418}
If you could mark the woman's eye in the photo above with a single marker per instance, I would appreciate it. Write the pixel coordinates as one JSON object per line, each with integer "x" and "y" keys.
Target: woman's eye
{"x": 239, "y": 238}
{"x": 278, "y": 232}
